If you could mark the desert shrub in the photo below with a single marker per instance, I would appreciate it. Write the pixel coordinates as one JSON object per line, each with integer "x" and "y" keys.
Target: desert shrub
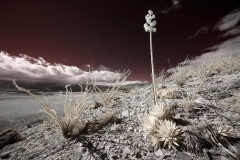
{"x": 70, "y": 125}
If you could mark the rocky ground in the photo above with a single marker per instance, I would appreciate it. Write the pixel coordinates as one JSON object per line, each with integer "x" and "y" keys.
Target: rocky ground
{"x": 215, "y": 103}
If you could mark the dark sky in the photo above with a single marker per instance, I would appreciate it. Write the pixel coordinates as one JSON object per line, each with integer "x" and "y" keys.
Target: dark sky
{"x": 110, "y": 33}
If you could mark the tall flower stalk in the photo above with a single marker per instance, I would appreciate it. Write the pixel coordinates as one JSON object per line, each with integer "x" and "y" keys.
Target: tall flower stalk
{"x": 149, "y": 26}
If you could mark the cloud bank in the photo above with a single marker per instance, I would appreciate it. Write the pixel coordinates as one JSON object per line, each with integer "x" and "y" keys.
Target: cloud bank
{"x": 31, "y": 70}
{"x": 230, "y": 26}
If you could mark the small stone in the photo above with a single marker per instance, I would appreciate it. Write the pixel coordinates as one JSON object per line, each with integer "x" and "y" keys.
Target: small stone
{"x": 136, "y": 130}
{"x": 130, "y": 129}
{"x": 159, "y": 153}
{"x": 125, "y": 113}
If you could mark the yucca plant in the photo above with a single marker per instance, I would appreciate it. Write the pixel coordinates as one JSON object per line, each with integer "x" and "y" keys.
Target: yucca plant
{"x": 161, "y": 111}
{"x": 227, "y": 131}
{"x": 149, "y": 26}
{"x": 70, "y": 125}
{"x": 167, "y": 134}
{"x": 149, "y": 123}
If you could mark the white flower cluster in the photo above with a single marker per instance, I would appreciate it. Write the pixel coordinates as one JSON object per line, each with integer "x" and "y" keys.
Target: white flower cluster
{"x": 149, "y": 26}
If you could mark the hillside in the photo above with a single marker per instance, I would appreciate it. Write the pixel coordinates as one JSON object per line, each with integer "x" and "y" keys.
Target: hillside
{"x": 198, "y": 117}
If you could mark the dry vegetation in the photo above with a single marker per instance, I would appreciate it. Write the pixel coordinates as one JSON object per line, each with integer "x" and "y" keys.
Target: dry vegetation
{"x": 70, "y": 125}
{"x": 107, "y": 96}
{"x": 183, "y": 119}
{"x": 161, "y": 125}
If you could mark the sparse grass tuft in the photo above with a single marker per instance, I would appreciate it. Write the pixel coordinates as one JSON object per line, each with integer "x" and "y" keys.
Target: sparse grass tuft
{"x": 107, "y": 96}
{"x": 70, "y": 125}
{"x": 181, "y": 77}
{"x": 204, "y": 70}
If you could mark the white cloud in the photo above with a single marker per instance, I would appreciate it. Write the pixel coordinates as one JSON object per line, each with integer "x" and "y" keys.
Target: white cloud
{"x": 232, "y": 32}
{"x": 102, "y": 67}
{"x": 229, "y": 24}
{"x": 200, "y": 31}
{"x": 229, "y": 21}
{"x": 29, "y": 69}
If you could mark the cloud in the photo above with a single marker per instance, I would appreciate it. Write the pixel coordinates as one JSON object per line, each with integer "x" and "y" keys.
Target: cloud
{"x": 229, "y": 21}
{"x": 230, "y": 45}
{"x": 200, "y": 31}
{"x": 102, "y": 67}
{"x": 175, "y": 5}
{"x": 229, "y": 25}
{"x": 232, "y": 32}
{"x": 29, "y": 69}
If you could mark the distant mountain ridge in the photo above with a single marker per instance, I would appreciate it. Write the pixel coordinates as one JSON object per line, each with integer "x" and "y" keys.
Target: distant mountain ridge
{"x": 7, "y": 86}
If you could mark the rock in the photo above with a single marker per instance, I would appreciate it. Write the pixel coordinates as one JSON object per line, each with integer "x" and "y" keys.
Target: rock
{"x": 159, "y": 153}
{"x": 182, "y": 156}
{"x": 9, "y": 136}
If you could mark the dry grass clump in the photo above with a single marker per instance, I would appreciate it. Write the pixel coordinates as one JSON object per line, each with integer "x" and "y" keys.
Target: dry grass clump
{"x": 70, "y": 125}
{"x": 181, "y": 77}
{"x": 107, "y": 96}
{"x": 204, "y": 70}
{"x": 230, "y": 63}
{"x": 187, "y": 102}
{"x": 161, "y": 77}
